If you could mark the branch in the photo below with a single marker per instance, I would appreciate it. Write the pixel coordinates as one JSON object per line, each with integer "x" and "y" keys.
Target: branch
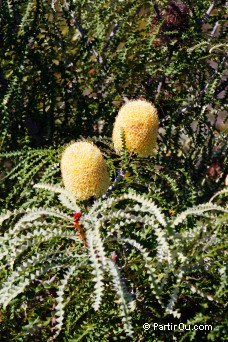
{"x": 99, "y": 59}
{"x": 158, "y": 15}
{"x": 203, "y": 92}
{"x": 88, "y": 43}
{"x": 207, "y": 14}
{"x": 214, "y": 29}
{"x": 112, "y": 187}
{"x": 115, "y": 28}
{"x": 160, "y": 85}
{"x": 221, "y": 87}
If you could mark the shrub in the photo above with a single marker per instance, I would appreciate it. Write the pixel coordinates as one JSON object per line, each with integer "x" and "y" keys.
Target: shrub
{"x": 153, "y": 247}
{"x": 161, "y": 264}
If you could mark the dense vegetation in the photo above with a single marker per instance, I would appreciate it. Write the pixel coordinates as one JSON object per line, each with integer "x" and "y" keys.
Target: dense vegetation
{"x": 156, "y": 243}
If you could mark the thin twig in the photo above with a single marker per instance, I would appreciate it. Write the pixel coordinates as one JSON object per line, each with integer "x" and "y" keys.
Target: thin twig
{"x": 99, "y": 58}
{"x": 203, "y": 92}
{"x": 159, "y": 89}
{"x": 208, "y": 13}
{"x": 157, "y": 12}
{"x": 112, "y": 34}
{"x": 163, "y": 77}
{"x": 118, "y": 178}
{"x": 214, "y": 29}
{"x": 222, "y": 87}
{"x": 88, "y": 43}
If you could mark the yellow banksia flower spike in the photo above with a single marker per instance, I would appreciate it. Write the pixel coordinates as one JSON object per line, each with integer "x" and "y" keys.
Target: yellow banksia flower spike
{"x": 139, "y": 120}
{"x": 84, "y": 170}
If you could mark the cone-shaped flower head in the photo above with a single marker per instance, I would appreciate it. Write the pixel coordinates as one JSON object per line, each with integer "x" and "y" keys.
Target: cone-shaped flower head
{"x": 84, "y": 170}
{"x": 139, "y": 120}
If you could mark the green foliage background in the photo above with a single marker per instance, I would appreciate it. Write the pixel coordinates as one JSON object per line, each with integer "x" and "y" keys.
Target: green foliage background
{"x": 66, "y": 67}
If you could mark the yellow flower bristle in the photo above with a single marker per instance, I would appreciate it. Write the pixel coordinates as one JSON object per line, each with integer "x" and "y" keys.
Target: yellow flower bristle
{"x": 84, "y": 170}
{"x": 139, "y": 120}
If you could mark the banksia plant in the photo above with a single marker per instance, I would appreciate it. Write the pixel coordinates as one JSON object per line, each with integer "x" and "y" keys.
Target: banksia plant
{"x": 84, "y": 170}
{"x": 139, "y": 121}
